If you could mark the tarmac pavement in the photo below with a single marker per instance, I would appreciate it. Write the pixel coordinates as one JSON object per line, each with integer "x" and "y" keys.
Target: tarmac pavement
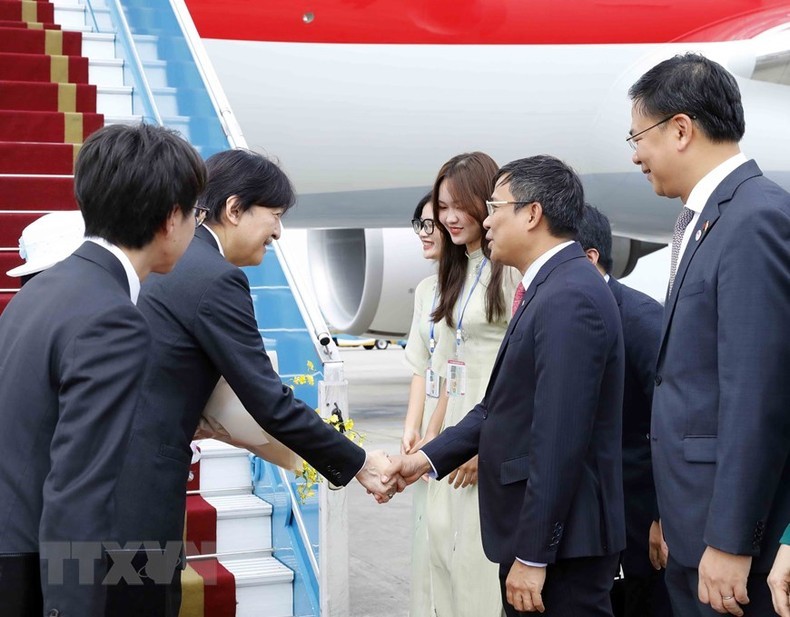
{"x": 379, "y": 535}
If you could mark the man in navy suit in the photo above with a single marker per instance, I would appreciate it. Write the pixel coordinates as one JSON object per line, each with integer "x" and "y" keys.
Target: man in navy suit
{"x": 548, "y": 430}
{"x": 203, "y": 326}
{"x": 721, "y": 427}
{"x": 73, "y": 350}
{"x": 644, "y": 591}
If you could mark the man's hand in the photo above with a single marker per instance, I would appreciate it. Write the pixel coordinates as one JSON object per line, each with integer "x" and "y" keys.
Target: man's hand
{"x": 657, "y": 548}
{"x": 465, "y": 475}
{"x": 411, "y": 438}
{"x": 524, "y": 585}
{"x": 405, "y": 470}
{"x": 370, "y": 476}
{"x": 722, "y": 580}
{"x": 779, "y": 581}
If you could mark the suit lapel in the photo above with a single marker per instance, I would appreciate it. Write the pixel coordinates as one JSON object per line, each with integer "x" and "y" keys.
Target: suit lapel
{"x": 714, "y": 208}
{"x": 573, "y": 251}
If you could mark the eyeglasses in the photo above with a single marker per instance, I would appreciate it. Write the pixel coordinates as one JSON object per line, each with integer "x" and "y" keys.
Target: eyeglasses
{"x": 630, "y": 139}
{"x": 425, "y": 225}
{"x": 492, "y": 206}
{"x": 200, "y": 215}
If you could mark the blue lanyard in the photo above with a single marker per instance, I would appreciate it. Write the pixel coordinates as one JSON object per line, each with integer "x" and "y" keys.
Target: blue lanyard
{"x": 432, "y": 340}
{"x": 469, "y": 297}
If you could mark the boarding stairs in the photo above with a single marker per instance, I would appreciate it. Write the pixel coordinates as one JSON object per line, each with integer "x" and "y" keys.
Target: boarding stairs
{"x": 66, "y": 68}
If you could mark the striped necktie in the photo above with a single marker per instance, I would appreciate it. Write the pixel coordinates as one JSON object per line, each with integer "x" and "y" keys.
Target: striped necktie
{"x": 520, "y": 291}
{"x": 684, "y": 218}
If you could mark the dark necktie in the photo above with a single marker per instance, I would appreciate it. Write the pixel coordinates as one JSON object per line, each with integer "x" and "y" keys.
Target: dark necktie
{"x": 520, "y": 291}
{"x": 684, "y": 218}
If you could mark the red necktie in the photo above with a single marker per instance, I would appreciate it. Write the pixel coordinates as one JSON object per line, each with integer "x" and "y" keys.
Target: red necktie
{"x": 520, "y": 291}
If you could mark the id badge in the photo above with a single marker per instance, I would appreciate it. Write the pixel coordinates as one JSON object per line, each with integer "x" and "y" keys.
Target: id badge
{"x": 456, "y": 378}
{"x": 431, "y": 383}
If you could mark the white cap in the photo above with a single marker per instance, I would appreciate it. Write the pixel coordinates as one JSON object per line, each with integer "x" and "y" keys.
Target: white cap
{"x": 48, "y": 240}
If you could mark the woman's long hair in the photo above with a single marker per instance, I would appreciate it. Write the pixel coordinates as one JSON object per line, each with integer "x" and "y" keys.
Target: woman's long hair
{"x": 470, "y": 180}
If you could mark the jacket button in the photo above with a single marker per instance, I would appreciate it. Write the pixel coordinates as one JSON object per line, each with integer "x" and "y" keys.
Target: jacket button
{"x": 658, "y": 380}
{"x": 53, "y": 613}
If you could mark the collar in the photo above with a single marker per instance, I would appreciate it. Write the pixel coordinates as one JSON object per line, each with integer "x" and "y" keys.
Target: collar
{"x": 704, "y": 188}
{"x": 536, "y": 265}
{"x": 131, "y": 273}
{"x": 216, "y": 239}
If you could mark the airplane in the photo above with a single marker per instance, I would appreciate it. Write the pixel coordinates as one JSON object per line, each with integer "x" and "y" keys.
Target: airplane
{"x": 363, "y": 100}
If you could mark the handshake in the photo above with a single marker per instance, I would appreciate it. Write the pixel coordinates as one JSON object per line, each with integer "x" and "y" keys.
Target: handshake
{"x": 383, "y": 475}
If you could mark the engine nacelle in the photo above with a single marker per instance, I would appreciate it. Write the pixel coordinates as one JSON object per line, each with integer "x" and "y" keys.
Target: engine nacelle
{"x": 364, "y": 279}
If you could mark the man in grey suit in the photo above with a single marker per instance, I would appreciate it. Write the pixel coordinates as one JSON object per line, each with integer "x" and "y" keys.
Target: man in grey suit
{"x": 73, "y": 349}
{"x": 643, "y": 590}
{"x": 720, "y": 428}
{"x": 203, "y": 327}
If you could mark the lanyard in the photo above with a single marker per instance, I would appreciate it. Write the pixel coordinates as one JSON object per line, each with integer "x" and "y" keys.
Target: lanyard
{"x": 432, "y": 339}
{"x": 463, "y": 310}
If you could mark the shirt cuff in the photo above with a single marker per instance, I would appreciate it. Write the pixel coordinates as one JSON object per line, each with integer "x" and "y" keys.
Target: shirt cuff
{"x": 532, "y": 563}
{"x": 431, "y": 474}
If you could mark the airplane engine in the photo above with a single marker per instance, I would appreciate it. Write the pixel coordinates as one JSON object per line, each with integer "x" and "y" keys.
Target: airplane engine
{"x": 364, "y": 279}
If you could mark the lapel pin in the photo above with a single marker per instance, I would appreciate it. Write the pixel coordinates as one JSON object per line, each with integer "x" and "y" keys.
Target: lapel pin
{"x": 698, "y": 235}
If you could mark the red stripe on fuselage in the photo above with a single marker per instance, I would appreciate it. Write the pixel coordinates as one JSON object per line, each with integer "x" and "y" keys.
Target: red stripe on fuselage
{"x": 470, "y": 22}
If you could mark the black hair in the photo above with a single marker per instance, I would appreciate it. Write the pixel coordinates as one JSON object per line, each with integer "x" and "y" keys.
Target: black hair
{"x": 250, "y": 176}
{"x": 553, "y": 184}
{"x": 694, "y": 85}
{"x": 129, "y": 178}
{"x": 420, "y": 205}
{"x": 595, "y": 232}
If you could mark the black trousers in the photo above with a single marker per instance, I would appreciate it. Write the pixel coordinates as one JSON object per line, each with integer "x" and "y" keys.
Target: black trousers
{"x": 20, "y": 585}
{"x": 641, "y": 596}
{"x": 682, "y": 585}
{"x": 573, "y": 588}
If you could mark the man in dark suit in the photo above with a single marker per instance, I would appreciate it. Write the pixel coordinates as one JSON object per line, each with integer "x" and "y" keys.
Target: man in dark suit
{"x": 73, "y": 349}
{"x": 721, "y": 452}
{"x": 644, "y": 592}
{"x": 203, "y": 327}
{"x": 548, "y": 429}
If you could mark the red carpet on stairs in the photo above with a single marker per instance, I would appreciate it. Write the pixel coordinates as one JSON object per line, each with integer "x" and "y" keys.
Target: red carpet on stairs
{"x": 47, "y": 108}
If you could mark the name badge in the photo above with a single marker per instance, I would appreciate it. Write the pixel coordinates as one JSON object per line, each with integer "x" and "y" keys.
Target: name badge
{"x": 431, "y": 383}
{"x": 456, "y": 378}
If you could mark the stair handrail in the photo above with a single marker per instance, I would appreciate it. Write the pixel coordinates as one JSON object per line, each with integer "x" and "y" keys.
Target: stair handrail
{"x": 322, "y": 340}
{"x": 130, "y": 51}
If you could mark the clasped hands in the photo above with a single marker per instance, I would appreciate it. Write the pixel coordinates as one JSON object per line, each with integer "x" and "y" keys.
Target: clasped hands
{"x": 383, "y": 475}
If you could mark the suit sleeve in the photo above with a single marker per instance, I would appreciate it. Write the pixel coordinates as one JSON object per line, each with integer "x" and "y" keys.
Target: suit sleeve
{"x": 101, "y": 372}
{"x": 642, "y": 338}
{"x": 753, "y": 296}
{"x": 227, "y": 331}
{"x": 571, "y": 351}
{"x": 456, "y": 444}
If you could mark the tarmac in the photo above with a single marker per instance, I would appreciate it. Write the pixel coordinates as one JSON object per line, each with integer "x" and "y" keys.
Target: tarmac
{"x": 379, "y": 535}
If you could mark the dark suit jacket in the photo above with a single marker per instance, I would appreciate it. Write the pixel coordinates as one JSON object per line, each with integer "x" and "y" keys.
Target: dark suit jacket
{"x": 548, "y": 429}
{"x": 641, "y": 316}
{"x": 73, "y": 350}
{"x": 203, "y": 326}
{"x": 721, "y": 407}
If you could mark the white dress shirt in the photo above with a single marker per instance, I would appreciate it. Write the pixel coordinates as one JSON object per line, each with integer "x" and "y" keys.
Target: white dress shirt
{"x": 216, "y": 237}
{"x": 131, "y": 273}
{"x": 703, "y": 190}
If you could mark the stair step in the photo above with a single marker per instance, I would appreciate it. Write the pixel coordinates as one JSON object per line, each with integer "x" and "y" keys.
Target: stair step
{"x": 264, "y": 587}
{"x": 114, "y": 100}
{"x": 243, "y": 523}
{"x": 37, "y": 193}
{"x": 223, "y": 466}
{"x": 98, "y": 45}
{"x": 73, "y": 15}
{"x": 106, "y": 72}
